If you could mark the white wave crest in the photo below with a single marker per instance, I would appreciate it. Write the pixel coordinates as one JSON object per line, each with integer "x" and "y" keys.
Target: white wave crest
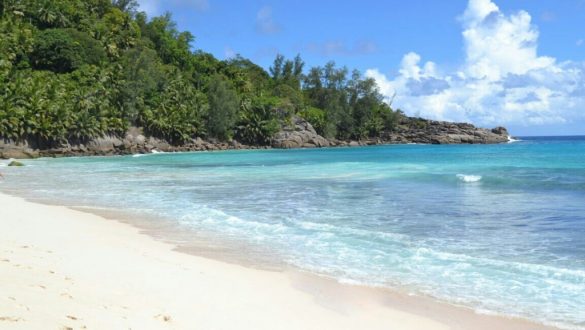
{"x": 469, "y": 178}
{"x": 512, "y": 140}
{"x": 153, "y": 152}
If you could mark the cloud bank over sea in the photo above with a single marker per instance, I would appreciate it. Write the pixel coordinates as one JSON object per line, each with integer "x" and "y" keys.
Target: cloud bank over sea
{"x": 503, "y": 79}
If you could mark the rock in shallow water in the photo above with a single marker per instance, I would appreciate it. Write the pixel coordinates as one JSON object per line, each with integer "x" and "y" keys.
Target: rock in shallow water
{"x": 15, "y": 163}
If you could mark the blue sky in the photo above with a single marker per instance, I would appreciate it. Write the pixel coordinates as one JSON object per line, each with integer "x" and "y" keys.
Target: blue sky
{"x": 518, "y": 63}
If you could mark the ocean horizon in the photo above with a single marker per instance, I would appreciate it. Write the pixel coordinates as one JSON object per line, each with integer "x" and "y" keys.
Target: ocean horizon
{"x": 497, "y": 228}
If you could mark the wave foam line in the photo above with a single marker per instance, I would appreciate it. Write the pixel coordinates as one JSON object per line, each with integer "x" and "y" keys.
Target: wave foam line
{"x": 469, "y": 178}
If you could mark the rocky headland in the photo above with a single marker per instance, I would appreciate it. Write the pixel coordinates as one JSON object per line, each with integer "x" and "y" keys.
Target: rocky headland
{"x": 298, "y": 133}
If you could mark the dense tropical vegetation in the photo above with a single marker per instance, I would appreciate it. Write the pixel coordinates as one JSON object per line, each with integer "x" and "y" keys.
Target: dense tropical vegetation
{"x": 72, "y": 70}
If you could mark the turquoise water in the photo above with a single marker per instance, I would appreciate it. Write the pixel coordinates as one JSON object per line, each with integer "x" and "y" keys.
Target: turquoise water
{"x": 500, "y": 228}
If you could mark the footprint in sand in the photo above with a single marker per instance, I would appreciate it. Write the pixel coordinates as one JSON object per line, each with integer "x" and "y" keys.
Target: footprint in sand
{"x": 71, "y": 317}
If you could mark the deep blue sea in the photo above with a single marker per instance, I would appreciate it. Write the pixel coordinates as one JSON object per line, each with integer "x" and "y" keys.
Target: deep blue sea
{"x": 499, "y": 228}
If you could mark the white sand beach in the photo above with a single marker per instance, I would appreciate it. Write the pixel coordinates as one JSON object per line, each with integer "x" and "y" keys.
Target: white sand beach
{"x": 65, "y": 269}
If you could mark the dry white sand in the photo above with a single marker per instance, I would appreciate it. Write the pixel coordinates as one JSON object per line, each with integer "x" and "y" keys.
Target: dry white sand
{"x": 61, "y": 268}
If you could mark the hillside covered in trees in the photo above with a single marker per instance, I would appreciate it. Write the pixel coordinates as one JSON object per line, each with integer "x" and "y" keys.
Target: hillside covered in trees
{"x": 76, "y": 71}
{"x": 73, "y": 70}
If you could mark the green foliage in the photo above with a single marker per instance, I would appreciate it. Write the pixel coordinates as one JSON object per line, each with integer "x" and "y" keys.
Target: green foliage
{"x": 65, "y": 50}
{"x": 45, "y": 14}
{"x": 175, "y": 113}
{"x": 128, "y": 6}
{"x": 257, "y": 125}
{"x": 249, "y": 79}
{"x": 419, "y": 123}
{"x": 31, "y": 107}
{"x": 390, "y": 118}
{"x": 16, "y": 41}
{"x": 204, "y": 67}
{"x": 353, "y": 108}
{"x": 94, "y": 101}
{"x": 316, "y": 117}
{"x": 291, "y": 99}
{"x": 117, "y": 32}
{"x": 142, "y": 76}
{"x": 223, "y": 108}
{"x": 49, "y": 109}
{"x": 73, "y": 70}
{"x": 172, "y": 46}
{"x": 277, "y": 67}
{"x": 287, "y": 72}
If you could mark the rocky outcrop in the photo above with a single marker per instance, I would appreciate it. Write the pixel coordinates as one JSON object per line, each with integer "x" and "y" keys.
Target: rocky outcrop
{"x": 299, "y": 134}
{"x": 134, "y": 142}
{"x": 10, "y": 149}
{"x": 441, "y": 132}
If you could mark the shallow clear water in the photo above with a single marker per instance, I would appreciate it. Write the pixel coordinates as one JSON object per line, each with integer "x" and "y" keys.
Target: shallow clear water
{"x": 500, "y": 228}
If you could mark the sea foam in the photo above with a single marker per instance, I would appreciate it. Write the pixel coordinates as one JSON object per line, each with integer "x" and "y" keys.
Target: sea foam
{"x": 469, "y": 178}
{"x": 512, "y": 140}
{"x": 391, "y": 216}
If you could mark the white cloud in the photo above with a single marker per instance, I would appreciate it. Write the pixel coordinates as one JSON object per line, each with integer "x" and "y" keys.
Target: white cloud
{"x": 580, "y": 42}
{"x": 497, "y": 45}
{"x": 478, "y": 10}
{"x": 155, "y": 7}
{"x": 503, "y": 80}
{"x": 265, "y": 23}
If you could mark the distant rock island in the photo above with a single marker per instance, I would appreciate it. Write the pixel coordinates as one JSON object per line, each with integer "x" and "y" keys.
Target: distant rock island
{"x": 299, "y": 133}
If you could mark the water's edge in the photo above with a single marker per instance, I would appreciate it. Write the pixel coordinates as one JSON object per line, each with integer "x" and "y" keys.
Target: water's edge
{"x": 322, "y": 286}
{"x": 412, "y": 218}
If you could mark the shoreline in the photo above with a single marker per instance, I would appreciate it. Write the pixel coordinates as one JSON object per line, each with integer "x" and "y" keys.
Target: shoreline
{"x": 300, "y": 134}
{"x": 71, "y": 268}
{"x": 220, "y": 147}
{"x": 49, "y": 154}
